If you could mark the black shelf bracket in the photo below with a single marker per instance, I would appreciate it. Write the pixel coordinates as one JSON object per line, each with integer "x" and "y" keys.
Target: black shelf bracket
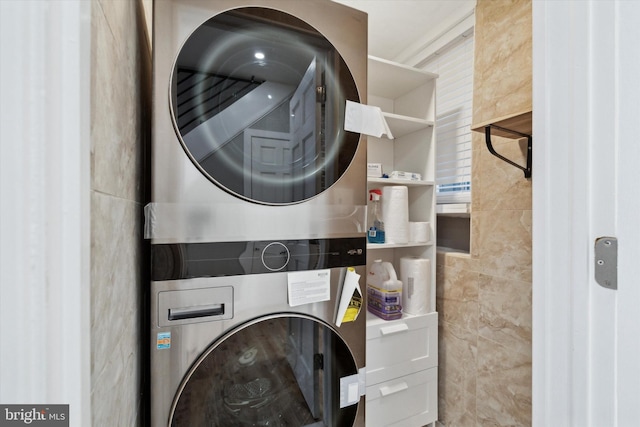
{"x": 487, "y": 134}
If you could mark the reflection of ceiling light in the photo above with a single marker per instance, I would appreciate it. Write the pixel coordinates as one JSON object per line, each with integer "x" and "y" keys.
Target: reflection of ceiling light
{"x": 269, "y": 96}
{"x": 259, "y": 55}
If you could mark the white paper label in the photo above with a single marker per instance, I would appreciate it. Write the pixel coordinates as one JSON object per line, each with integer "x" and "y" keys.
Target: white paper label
{"x": 366, "y": 119}
{"x": 306, "y": 287}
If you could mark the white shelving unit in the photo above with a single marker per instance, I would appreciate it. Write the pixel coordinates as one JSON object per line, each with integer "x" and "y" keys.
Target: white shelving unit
{"x": 402, "y": 354}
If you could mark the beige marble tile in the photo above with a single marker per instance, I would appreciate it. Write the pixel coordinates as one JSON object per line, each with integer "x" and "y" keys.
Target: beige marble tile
{"x": 459, "y": 284}
{"x": 503, "y": 60}
{"x": 501, "y": 186}
{"x": 457, "y": 354}
{"x": 120, "y": 82}
{"x": 116, "y": 112}
{"x": 503, "y": 242}
{"x": 463, "y": 314}
{"x": 503, "y": 386}
{"x": 455, "y": 406}
{"x": 116, "y": 334}
{"x": 505, "y": 312}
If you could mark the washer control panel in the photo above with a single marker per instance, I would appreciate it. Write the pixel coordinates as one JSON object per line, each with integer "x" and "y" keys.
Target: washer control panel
{"x": 173, "y": 261}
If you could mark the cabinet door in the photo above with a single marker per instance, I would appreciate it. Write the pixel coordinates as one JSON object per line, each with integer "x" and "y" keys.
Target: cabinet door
{"x": 400, "y": 347}
{"x": 406, "y": 401}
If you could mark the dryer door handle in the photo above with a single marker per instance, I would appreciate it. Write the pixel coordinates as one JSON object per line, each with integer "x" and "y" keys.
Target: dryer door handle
{"x": 195, "y": 312}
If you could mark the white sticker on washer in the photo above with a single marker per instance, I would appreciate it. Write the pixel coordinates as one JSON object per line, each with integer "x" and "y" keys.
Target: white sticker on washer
{"x": 164, "y": 340}
{"x": 306, "y": 287}
{"x": 349, "y": 390}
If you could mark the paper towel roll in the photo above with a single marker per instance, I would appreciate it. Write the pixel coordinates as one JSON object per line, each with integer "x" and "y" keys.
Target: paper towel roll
{"x": 395, "y": 213}
{"x": 415, "y": 274}
{"x": 419, "y": 232}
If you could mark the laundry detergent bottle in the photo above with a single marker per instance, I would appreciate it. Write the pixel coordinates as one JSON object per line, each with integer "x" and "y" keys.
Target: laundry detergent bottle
{"x": 384, "y": 291}
{"x": 376, "y": 225}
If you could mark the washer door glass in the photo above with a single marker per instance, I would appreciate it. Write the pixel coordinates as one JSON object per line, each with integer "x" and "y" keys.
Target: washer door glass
{"x": 257, "y": 98}
{"x": 280, "y": 371}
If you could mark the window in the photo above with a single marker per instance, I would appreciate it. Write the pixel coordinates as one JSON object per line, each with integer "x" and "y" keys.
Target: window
{"x": 454, "y": 94}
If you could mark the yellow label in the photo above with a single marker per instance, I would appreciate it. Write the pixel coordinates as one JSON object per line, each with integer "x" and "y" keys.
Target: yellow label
{"x": 355, "y": 305}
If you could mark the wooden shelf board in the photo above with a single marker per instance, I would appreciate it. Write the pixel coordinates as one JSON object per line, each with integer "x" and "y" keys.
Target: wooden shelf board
{"x": 520, "y": 122}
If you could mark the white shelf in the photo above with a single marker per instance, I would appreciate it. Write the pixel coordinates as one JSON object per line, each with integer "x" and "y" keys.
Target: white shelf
{"x": 405, "y": 125}
{"x": 407, "y": 182}
{"x": 374, "y": 246}
{"x": 405, "y": 79}
{"x": 462, "y": 210}
{"x": 407, "y": 98}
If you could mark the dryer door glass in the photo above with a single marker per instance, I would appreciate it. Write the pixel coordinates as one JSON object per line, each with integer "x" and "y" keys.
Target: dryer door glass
{"x": 258, "y": 98}
{"x": 279, "y": 371}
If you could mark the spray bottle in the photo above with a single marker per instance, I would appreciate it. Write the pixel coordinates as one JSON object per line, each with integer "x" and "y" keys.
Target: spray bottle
{"x": 376, "y": 225}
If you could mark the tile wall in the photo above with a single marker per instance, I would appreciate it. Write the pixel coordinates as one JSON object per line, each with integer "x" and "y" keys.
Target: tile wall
{"x": 484, "y": 298}
{"x": 120, "y": 90}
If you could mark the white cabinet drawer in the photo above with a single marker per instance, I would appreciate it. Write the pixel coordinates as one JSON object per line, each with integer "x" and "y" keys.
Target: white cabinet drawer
{"x": 407, "y": 401}
{"x": 400, "y": 347}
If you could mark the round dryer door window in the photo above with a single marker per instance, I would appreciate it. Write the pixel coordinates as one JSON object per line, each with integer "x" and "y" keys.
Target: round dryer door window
{"x": 278, "y": 371}
{"x": 258, "y": 98}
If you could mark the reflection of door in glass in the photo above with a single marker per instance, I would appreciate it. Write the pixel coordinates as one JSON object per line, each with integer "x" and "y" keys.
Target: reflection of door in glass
{"x": 301, "y": 354}
{"x": 303, "y": 124}
{"x": 283, "y": 167}
{"x": 268, "y": 158}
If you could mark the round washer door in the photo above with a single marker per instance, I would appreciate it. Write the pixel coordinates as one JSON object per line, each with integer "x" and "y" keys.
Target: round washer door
{"x": 258, "y": 101}
{"x": 275, "y": 371}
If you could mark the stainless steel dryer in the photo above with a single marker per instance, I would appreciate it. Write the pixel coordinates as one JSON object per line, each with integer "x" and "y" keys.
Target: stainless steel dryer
{"x": 255, "y": 185}
{"x": 249, "y": 106}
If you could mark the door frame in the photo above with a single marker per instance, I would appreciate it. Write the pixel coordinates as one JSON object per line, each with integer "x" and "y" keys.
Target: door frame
{"x": 585, "y": 337}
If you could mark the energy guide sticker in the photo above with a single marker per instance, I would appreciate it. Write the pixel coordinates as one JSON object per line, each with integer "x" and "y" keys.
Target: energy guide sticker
{"x": 164, "y": 340}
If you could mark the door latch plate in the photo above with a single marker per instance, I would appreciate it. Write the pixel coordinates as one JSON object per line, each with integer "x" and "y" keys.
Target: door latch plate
{"x": 606, "y": 262}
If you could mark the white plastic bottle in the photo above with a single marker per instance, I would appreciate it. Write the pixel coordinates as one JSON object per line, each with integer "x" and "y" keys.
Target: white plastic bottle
{"x": 384, "y": 291}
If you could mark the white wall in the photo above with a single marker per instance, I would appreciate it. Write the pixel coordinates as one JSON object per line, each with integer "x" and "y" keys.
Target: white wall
{"x": 44, "y": 200}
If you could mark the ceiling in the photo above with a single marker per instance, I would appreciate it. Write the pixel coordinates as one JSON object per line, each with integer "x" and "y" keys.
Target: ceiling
{"x": 396, "y": 27}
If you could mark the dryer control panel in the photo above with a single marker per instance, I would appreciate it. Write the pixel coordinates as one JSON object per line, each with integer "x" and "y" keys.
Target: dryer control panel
{"x": 176, "y": 261}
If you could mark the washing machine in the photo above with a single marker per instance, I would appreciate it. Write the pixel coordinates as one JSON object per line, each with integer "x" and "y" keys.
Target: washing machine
{"x": 257, "y": 215}
{"x": 248, "y": 120}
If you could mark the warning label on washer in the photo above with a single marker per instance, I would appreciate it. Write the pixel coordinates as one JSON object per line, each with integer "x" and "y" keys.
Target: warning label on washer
{"x": 164, "y": 340}
{"x": 306, "y": 287}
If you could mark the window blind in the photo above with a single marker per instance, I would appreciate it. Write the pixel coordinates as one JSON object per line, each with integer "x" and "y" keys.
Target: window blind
{"x": 454, "y": 95}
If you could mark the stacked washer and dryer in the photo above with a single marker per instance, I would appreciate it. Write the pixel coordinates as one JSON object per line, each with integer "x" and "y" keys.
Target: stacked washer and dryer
{"x": 258, "y": 213}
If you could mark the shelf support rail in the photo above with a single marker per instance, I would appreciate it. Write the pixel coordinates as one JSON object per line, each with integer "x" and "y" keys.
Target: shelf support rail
{"x": 487, "y": 133}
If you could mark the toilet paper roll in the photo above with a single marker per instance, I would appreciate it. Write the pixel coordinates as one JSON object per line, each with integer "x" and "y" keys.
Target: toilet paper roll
{"x": 415, "y": 274}
{"x": 395, "y": 213}
{"x": 419, "y": 232}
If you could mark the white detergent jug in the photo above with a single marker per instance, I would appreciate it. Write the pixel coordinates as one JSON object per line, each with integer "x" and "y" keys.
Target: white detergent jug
{"x": 384, "y": 291}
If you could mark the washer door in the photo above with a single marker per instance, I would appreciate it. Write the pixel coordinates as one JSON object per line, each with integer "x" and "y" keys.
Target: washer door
{"x": 276, "y": 371}
{"x": 258, "y": 98}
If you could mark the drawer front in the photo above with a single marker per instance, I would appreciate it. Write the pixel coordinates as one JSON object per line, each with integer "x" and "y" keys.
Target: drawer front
{"x": 400, "y": 347}
{"x": 407, "y": 401}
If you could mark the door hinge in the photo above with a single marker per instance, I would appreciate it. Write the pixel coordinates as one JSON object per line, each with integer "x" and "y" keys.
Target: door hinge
{"x": 321, "y": 94}
{"x": 606, "y": 262}
{"x": 318, "y": 361}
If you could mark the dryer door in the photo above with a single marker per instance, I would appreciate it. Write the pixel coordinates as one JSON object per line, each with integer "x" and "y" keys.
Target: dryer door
{"x": 285, "y": 370}
{"x": 257, "y": 98}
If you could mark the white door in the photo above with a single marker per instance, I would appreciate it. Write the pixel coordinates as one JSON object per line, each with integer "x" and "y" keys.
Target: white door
{"x": 303, "y": 124}
{"x": 586, "y": 338}
{"x": 268, "y": 167}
